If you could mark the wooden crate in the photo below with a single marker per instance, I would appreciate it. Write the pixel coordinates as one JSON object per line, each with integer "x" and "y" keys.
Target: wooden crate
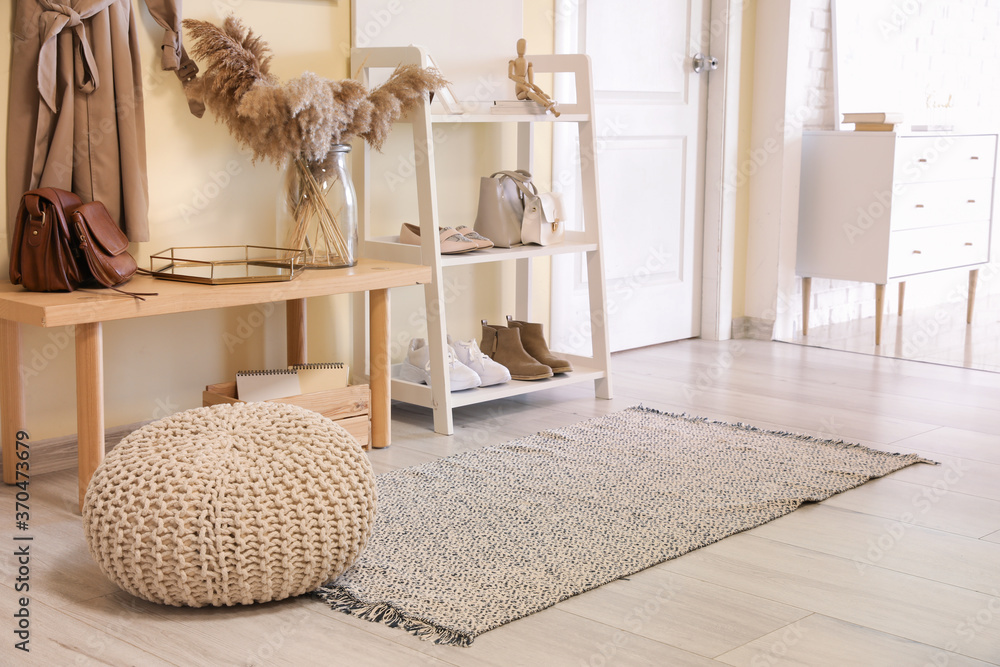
{"x": 350, "y": 407}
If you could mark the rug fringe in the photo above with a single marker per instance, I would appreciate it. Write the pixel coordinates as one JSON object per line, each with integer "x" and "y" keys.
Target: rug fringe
{"x": 383, "y": 612}
{"x": 787, "y": 434}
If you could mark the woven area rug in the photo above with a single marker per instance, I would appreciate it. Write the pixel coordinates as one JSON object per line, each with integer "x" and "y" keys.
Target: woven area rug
{"x": 467, "y": 543}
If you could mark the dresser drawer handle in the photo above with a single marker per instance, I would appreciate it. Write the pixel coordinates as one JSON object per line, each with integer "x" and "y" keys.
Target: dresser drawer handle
{"x": 971, "y": 201}
{"x": 974, "y": 157}
{"x": 917, "y": 252}
{"x": 923, "y": 159}
{"x": 968, "y": 243}
{"x": 919, "y": 206}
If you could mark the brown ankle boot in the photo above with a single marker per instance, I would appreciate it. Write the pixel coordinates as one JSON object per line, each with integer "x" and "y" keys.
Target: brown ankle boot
{"x": 503, "y": 345}
{"x": 488, "y": 345}
{"x": 534, "y": 344}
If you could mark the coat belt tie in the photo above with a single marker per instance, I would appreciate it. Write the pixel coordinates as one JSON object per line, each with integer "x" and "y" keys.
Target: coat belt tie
{"x": 55, "y": 17}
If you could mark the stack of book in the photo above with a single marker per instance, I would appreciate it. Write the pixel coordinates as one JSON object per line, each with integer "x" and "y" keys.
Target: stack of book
{"x": 874, "y": 122}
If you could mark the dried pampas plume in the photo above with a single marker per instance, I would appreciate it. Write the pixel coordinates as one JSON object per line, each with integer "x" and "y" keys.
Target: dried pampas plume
{"x": 304, "y": 116}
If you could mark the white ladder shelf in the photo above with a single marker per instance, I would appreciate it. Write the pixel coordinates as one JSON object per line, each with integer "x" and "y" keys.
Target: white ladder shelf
{"x": 438, "y": 395}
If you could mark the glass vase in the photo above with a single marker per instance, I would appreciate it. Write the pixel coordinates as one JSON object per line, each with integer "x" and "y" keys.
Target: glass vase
{"x": 318, "y": 211}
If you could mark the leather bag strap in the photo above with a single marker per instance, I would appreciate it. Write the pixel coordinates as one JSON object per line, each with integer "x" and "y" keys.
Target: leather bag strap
{"x": 520, "y": 178}
{"x": 527, "y": 192}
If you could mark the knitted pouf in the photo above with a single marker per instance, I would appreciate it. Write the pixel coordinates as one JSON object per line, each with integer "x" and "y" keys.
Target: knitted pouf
{"x": 230, "y": 504}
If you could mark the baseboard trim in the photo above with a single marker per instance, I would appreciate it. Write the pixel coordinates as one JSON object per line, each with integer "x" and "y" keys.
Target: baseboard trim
{"x": 754, "y": 328}
{"x": 58, "y": 454}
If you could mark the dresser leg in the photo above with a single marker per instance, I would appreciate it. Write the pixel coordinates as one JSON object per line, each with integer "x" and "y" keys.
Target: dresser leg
{"x": 902, "y": 295}
{"x": 973, "y": 279}
{"x": 879, "y": 310}
{"x": 806, "y": 300}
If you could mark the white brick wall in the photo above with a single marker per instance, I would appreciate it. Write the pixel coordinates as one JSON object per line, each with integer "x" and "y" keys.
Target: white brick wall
{"x": 819, "y": 42}
{"x": 955, "y": 46}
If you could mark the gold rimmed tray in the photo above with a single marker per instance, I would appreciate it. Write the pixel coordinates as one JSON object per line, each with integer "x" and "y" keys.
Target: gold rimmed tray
{"x": 227, "y": 264}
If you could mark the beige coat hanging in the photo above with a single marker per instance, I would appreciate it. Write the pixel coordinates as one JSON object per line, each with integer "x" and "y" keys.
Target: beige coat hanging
{"x": 75, "y": 118}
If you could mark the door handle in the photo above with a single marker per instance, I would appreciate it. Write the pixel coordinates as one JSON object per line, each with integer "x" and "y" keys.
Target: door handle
{"x": 701, "y": 62}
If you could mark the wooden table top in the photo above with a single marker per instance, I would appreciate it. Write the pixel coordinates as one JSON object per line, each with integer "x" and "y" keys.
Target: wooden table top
{"x": 53, "y": 309}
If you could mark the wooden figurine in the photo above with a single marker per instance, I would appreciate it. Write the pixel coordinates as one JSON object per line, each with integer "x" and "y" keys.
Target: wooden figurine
{"x": 521, "y": 72}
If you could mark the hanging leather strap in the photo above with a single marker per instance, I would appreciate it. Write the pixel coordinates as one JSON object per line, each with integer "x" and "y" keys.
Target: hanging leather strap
{"x": 134, "y": 295}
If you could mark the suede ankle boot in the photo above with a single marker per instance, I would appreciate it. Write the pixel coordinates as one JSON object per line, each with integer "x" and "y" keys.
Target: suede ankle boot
{"x": 534, "y": 344}
{"x": 503, "y": 345}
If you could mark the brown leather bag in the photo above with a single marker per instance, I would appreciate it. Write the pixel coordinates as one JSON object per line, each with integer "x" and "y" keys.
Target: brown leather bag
{"x": 61, "y": 244}
{"x": 41, "y": 251}
{"x": 103, "y": 245}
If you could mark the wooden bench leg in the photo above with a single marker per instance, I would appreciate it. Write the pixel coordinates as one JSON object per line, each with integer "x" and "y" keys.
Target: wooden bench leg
{"x": 12, "y": 414}
{"x": 89, "y": 401}
{"x": 295, "y": 331}
{"x": 380, "y": 366}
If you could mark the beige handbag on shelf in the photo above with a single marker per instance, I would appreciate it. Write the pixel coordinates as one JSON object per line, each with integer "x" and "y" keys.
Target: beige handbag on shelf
{"x": 501, "y": 207}
{"x": 512, "y": 211}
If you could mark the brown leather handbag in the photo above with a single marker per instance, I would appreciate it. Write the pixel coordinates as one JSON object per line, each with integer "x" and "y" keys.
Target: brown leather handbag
{"x": 103, "y": 245}
{"x": 61, "y": 244}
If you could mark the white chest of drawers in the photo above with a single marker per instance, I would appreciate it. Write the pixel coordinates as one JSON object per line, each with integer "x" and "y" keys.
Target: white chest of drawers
{"x": 881, "y": 206}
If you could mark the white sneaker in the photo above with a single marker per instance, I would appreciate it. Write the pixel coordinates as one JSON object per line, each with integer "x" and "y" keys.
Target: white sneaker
{"x": 489, "y": 371}
{"x": 417, "y": 367}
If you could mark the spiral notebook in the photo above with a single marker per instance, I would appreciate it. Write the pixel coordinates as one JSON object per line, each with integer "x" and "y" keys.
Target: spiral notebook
{"x": 295, "y": 380}
{"x": 321, "y": 377}
{"x": 264, "y": 385}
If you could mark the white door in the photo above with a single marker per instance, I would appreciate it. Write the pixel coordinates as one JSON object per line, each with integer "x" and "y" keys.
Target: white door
{"x": 651, "y": 117}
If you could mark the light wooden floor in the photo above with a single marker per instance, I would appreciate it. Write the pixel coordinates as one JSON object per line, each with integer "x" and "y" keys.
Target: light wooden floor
{"x": 902, "y": 571}
{"x": 935, "y": 334}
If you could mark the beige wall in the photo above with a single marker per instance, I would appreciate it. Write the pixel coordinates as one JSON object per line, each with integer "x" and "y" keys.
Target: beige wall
{"x": 204, "y": 190}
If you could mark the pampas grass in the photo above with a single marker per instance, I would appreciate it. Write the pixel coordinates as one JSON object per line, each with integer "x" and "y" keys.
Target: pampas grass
{"x": 305, "y": 116}
{"x": 300, "y": 120}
